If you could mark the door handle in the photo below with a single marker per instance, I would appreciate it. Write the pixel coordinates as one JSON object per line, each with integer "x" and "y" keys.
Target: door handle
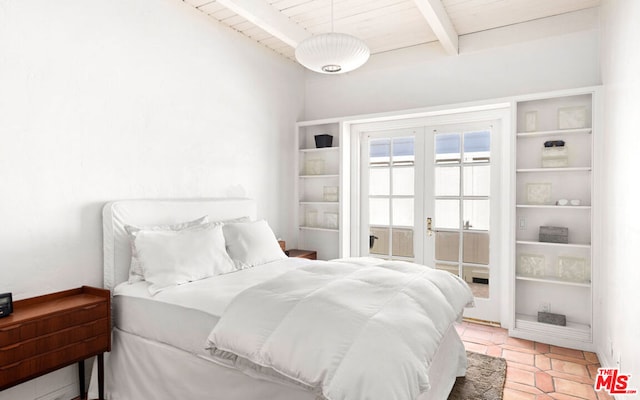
{"x": 429, "y": 226}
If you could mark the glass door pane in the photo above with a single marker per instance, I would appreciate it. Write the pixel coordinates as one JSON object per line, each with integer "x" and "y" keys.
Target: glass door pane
{"x": 391, "y": 194}
{"x": 461, "y": 205}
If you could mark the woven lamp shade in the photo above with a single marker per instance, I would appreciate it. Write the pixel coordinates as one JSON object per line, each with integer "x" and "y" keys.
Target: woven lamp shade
{"x": 332, "y": 53}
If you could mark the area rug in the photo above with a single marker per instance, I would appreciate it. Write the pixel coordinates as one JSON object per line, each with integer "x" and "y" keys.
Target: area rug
{"x": 484, "y": 379}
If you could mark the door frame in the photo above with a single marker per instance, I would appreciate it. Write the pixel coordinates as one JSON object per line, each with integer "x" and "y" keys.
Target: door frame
{"x": 501, "y": 112}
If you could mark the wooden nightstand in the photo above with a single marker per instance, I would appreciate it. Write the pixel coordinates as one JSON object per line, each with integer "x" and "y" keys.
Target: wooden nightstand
{"x": 49, "y": 332}
{"x": 309, "y": 254}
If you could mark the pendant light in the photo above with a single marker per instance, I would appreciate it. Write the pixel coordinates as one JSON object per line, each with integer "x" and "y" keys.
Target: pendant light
{"x": 332, "y": 53}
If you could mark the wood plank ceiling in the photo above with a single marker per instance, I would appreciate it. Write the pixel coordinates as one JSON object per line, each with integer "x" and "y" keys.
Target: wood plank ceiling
{"x": 383, "y": 25}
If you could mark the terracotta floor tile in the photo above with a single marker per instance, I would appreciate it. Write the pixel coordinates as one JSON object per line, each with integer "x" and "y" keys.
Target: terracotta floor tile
{"x": 544, "y": 397}
{"x": 477, "y": 333}
{"x": 544, "y": 382}
{"x": 482, "y": 327}
{"x": 521, "y": 387}
{"x": 591, "y": 357}
{"x": 593, "y": 370}
{"x": 569, "y": 377}
{"x": 567, "y": 358}
{"x": 567, "y": 352}
{"x": 494, "y": 351}
{"x": 542, "y": 347}
{"x": 562, "y": 396}
{"x": 510, "y": 394}
{"x": 520, "y": 349}
{"x": 569, "y": 367}
{"x": 521, "y": 376}
{"x": 526, "y": 344}
{"x": 571, "y": 388}
{"x": 604, "y": 396}
{"x": 475, "y": 347}
{"x": 525, "y": 367}
{"x": 499, "y": 338}
{"x": 519, "y": 357}
{"x": 543, "y": 362}
{"x": 477, "y": 340}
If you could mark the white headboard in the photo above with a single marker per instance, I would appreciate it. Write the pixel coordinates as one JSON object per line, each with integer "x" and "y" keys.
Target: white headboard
{"x": 117, "y": 214}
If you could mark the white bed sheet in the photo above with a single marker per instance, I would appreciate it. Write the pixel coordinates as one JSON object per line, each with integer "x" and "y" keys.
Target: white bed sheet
{"x": 183, "y": 316}
{"x": 159, "y": 343}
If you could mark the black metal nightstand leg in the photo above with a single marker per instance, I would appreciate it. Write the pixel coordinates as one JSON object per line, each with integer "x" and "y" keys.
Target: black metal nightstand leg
{"x": 101, "y": 376}
{"x": 81, "y": 379}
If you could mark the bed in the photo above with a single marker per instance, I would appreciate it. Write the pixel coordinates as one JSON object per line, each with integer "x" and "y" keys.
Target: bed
{"x": 167, "y": 345}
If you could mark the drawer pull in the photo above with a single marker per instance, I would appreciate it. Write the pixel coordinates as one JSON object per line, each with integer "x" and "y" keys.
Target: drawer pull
{"x": 10, "y": 328}
{"x": 91, "y": 307}
{"x": 6, "y": 367}
{"x": 13, "y": 346}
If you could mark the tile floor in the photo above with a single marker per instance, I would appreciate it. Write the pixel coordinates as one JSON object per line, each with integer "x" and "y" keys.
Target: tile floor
{"x": 536, "y": 371}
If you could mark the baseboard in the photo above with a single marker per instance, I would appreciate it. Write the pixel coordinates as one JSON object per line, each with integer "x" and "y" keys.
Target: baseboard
{"x": 64, "y": 393}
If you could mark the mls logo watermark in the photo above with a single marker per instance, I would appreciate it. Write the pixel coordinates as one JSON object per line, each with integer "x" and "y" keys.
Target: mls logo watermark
{"x": 613, "y": 382}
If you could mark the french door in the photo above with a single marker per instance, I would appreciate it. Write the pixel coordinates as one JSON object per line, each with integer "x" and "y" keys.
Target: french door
{"x": 428, "y": 195}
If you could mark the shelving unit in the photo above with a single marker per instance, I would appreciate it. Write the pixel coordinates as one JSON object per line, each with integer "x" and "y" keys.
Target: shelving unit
{"x": 554, "y": 277}
{"x": 319, "y": 190}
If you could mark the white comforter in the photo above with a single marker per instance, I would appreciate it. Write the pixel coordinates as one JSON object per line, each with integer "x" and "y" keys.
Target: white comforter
{"x": 343, "y": 330}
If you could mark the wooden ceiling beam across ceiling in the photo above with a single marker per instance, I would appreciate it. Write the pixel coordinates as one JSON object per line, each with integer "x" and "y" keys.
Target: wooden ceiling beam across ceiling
{"x": 440, "y": 23}
{"x": 268, "y": 18}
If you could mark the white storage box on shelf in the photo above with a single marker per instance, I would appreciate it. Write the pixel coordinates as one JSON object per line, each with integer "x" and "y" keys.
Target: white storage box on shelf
{"x": 555, "y": 157}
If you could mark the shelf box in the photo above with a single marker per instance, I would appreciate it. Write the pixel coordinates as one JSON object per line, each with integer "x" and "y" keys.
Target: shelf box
{"x": 551, "y": 318}
{"x": 555, "y": 157}
{"x": 554, "y": 234}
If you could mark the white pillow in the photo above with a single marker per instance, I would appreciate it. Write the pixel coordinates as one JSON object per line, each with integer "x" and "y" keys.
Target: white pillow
{"x": 170, "y": 258}
{"x": 135, "y": 270}
{"x": 251, "y": 243}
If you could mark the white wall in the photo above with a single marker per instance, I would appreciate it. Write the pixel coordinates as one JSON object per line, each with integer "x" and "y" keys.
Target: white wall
{"x": 542, "y": 55}
{"x": 104, "y": 100}
{"x": 621, "y": 217}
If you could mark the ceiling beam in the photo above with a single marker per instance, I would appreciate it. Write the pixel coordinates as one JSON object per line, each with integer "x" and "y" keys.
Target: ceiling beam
{"x": 268, "y": 18}
{"x": 440, "y": 23}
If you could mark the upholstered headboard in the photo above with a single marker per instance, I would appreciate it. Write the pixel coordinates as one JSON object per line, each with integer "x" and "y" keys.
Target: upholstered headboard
{"x": 117, "y": 214}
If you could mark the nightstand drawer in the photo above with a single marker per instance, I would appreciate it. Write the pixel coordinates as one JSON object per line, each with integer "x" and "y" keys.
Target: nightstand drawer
{"x": 54, "y": 323}
{"x": 43, "y": 344}
{"x": 32, "y": 367}
{"x": 297, "y": 253}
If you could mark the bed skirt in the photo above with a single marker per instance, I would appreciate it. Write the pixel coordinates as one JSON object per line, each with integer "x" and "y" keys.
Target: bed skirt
{"x": 139, "y": 368}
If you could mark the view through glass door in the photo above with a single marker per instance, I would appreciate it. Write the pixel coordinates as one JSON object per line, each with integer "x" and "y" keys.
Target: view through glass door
{"x": 390, "y": 201}
{"x": 458, "y": 207}
{"x": 426, "y": 197}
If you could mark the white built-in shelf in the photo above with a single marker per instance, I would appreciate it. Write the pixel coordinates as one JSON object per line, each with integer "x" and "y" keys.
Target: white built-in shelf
{"x": 554, "y": 132}
{"x": 567, "y": 245}
{"x": 319, "y": 176}
{"x": 573, "y": 330}
{"x": 551, "y": 206}
{"x": 553, "y": 281}
{"x": 562, "y": 169}
{"x": 315, "y": 228}
{"x": 571, "y": 178}
{"x": 318, "y": 203}
{"x": 320, "y": 150}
